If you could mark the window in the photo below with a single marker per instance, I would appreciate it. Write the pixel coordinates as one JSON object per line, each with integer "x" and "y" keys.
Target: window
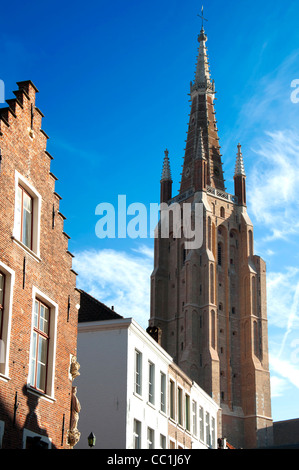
{"x": 27, "y": 215}
{"x": 24, "y": 220}
{"x": 43, "y": 343}
{"x": 180, "y": 406}
{"x": 187, "y": 410}
{"x": 208, "y": 434}
{"x": 7, "y": 277}
{"x": 40, "y": 346}
{"x": 163, "y": 392}
{"x": 138, "y": 372}
{"x": 194, "y": 417}
{"x": 151, "y": 383}
{"x": 172, "y": 399}
{"x": 137, "y": 434}
{"x": 171, "y": 444}
{"x": 34, "y": 441}
{"x": 162, "y": 441}
{"x": 150, "y": 438}
{"x": 213, "y": 432}
{"x": 201, "y": 424}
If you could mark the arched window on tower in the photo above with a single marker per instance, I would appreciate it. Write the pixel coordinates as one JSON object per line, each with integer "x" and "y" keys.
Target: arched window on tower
{"x": 256, "y": 338}
{"x": 209, "y": 233}
{"x": 250, "y": 241}
{"x": 254, "y": 297}
{"x": 213, "y": 325}
{"x": 222, "y": 212}
{"x": 212, "y": 283}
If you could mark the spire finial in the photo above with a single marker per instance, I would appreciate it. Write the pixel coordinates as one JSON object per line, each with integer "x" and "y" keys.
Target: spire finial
{"x": 202, "y": 18}
{"x": 239, "y": 169}
{"x": 166, "y": 174}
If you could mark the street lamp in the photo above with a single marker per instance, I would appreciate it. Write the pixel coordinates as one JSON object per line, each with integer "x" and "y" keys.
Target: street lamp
{"x": 91, "y": 440}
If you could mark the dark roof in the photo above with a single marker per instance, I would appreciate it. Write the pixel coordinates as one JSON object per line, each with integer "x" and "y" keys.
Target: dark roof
{"x": 286, "y": 433}
{"x": 92, "y": 309}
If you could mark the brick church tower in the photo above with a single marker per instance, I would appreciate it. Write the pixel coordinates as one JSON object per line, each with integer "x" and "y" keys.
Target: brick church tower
{"x": 210, "y": 302}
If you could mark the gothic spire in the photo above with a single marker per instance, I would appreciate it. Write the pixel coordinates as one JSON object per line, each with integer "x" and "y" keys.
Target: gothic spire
{"x": 202, "y": 130}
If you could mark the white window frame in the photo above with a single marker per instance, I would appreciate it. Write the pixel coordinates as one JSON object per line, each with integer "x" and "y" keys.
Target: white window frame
{"x": 151, "y": 382}
{"x": 172, "y": 399}
{"x": 187, "y": 402}
{"x": 37, "y": 294}
{"x": 201, "y": 417}
{"x": 37, "y": 202}
{"x": 194, "y": 418}
{"x": 150, "y": 438}
{"x": 208, "y": 428}
{"x": 137, "y": 434}
{"x": 138, "y": 372}
{"x": 180, "y": 406}
{"x": 6, "y": 327}
{"x": 163, "y": 441}
{"x": 163, "y": 392}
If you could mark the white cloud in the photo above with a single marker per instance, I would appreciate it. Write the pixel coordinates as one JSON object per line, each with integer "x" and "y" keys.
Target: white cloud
{"x": 278, "y": 386}
{"x": 118, "y": 278}
{"x": 285, "y": 369}
{"x": 273, "y": 184}
{"x": 282, "y": 297}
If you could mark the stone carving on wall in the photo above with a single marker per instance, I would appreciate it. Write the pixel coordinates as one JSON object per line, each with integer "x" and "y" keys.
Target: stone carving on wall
{"x": 74, "y": 434}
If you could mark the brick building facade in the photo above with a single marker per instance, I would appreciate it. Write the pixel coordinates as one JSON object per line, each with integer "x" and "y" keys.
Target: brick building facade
{"x": 38, "y": 297}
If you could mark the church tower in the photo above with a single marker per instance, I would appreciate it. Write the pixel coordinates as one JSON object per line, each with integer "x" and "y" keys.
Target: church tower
{"x": 210, "y": 302}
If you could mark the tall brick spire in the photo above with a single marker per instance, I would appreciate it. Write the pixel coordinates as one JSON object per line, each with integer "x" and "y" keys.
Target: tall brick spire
{"x": 202, "y": 121}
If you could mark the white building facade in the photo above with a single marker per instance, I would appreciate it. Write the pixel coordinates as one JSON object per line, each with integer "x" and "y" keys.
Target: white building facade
{"x": 126, "y": 393}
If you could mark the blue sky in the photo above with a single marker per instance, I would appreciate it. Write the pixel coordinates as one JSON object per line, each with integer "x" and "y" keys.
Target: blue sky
{"x": 114, "y": 82}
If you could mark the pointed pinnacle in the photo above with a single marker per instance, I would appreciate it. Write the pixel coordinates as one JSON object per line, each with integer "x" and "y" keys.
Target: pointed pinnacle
{"x": 239, "y": 168}
{"x": 166, "y": 173}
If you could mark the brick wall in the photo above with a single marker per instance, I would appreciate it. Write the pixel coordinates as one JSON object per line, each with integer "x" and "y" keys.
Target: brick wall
{"x": 49, "y": 269}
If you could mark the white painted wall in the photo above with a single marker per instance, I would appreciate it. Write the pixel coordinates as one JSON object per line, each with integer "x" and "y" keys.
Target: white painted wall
{"x": 101, "y": 386}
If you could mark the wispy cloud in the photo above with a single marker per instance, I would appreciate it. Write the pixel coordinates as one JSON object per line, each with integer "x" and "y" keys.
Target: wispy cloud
{"x": 118, "y": 278}
{"x": 286, "y": 370}
{"x": 278, "y": 386}
{"x": 282, "y": 296}
{"x": 273, "y": 184}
